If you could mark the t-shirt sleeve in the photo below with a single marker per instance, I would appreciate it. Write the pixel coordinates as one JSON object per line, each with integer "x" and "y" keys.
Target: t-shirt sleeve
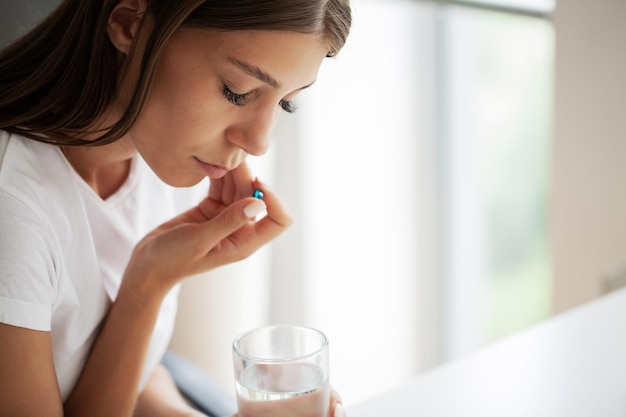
{"x": 27, "y": 267}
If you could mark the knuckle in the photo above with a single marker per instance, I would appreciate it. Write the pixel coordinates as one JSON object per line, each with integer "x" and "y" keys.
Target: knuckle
{"x": 232, "y": 221}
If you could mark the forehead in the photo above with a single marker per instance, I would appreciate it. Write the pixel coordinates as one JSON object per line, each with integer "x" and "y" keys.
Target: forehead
{"x": 289, "y": 57}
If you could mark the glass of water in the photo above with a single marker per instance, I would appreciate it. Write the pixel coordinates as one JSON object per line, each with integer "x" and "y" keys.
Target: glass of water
{"x": 282, "y": 371}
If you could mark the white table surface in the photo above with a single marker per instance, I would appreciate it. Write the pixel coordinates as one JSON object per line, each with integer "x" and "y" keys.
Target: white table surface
{"x": 571, "y": 365}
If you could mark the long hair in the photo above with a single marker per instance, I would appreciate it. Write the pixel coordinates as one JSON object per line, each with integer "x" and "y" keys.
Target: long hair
{"x": 59, "y": 78}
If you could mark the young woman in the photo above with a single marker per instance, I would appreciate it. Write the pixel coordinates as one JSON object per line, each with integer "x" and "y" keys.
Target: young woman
{"x": 112, "y": 113}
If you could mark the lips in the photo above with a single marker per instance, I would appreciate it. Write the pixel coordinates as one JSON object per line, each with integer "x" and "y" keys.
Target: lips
{"x": 212, "y": 171}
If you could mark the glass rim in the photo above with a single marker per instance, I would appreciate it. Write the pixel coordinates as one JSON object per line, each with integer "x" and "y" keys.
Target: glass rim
{"x": 238, "y": 352}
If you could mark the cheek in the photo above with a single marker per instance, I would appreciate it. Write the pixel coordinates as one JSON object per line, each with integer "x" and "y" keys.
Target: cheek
{"x": 172, "y": 98}
{"x": 177, "y": 106}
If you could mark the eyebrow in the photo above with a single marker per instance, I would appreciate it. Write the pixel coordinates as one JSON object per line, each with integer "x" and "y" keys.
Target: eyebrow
{"x": 256, "y": 72}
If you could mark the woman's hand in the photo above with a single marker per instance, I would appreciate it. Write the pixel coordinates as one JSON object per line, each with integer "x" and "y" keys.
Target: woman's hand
{"x": 336, "y": 407}
{"x": 220, "y": 230}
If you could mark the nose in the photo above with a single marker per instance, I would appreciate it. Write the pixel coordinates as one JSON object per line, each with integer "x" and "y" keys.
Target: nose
{"x": 252, "y": 134}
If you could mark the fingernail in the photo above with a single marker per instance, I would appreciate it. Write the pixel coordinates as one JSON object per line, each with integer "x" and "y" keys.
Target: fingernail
{"x": 339, "y": 411}
{"x": 254, "y": 209}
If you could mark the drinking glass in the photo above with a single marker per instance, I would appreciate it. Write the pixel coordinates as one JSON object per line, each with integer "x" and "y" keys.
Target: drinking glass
{"x": 282, "y": 371}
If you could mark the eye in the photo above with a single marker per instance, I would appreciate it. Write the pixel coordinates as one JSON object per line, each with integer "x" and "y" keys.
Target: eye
{"x": 237, "y": 99}
{"x": 288, "y": 106}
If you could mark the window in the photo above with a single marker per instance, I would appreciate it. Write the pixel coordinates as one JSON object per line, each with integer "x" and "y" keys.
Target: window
{"x": 496, "y": 117}
{"x": 519, "y": 6}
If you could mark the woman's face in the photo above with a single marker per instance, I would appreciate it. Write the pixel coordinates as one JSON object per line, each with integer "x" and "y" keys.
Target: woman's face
{"x": 216, "y": 96}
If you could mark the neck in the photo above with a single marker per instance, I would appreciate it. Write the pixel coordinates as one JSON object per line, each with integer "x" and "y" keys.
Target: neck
{"x": 104, "y": 168}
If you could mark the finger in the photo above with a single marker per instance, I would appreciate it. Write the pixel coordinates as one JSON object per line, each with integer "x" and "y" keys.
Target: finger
{"x": 338, "y": 410}
{"x": 242, "y": 179}
{"x": 334, "y": 396}
{"x": 251, "y": 235}
{"x": 227, "y": 222}
{"x": 237, "y": 184}
{"x": 228, "y": 188}
{"x": 278, "y": 218}
{"x": 234, "y": 185}
{"x": 335, "y": 404}
{"x": 215, "y": 189}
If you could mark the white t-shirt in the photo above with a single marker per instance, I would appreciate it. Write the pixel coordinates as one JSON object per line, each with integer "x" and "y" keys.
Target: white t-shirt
{"x": 63, "y": 249}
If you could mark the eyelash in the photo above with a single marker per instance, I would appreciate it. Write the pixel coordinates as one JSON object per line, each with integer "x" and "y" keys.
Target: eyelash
{"x": 288, "y": 106}
{"x": 240, "y": 100}
{"x": 237, "y": 99}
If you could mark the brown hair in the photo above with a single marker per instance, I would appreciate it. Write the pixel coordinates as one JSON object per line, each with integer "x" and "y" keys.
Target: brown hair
{"x": 61, "y": 76}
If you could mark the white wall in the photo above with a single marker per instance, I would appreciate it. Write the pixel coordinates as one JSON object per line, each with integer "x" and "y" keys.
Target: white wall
{"x": 589, "y": 188}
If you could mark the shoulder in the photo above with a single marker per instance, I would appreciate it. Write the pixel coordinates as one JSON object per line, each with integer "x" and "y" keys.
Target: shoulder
{"x": 28, "y": 243}
{"x": 28, "y": 165}
{"x": 37, "y": 175}
{"x": 36, "y": 202}
{"x": 42, "y": 231}
{"x": 20, "y": 185}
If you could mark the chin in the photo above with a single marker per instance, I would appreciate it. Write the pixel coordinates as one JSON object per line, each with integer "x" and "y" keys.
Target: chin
{"x": 181, "y": 181}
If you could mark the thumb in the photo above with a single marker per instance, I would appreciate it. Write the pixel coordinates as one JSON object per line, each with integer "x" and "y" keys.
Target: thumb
{"x": 238, "y": 214}
{"x": 225, "y": 226}
{"x": 254, "y": 208}
{"x": 233, "y": 217}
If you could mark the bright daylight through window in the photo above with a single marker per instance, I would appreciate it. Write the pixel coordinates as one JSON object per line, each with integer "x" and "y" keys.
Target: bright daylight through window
{"x": 434, "y": 234}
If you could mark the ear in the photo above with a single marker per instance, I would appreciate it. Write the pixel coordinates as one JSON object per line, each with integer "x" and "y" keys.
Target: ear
{"x": 124, "y": 22}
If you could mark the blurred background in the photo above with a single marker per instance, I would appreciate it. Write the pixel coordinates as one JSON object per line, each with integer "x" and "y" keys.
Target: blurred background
{"x": 456, "y": 175}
